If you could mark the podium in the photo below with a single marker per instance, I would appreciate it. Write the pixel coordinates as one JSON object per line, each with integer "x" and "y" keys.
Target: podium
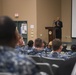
{"x": 51, "y": 33}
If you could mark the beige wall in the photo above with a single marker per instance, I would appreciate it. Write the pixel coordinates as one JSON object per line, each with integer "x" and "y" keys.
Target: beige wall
{"x": 66, "y": 18}
{"x": 26, "y": 10}
{"x": 0, "y": 7}
{"x": 40, "y": 13}
{"x": 47, "y": 11}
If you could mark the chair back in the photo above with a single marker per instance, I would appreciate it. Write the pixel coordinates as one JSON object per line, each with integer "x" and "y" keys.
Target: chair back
{"x": 45, "y": 67}
{"x": 5, "y": 73}
{"x": 36, "y": 58}
{"x": 74, "y": 70}
{"x": 54, "y": 62}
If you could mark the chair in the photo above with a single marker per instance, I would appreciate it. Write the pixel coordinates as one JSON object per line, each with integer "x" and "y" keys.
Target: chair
{"x": 36, "y": 58}
{"x": 5, "y": 73}
{"x": 45, "y": 67}
{"x": 54, "y": 62}
{"x": 74, "y": 70}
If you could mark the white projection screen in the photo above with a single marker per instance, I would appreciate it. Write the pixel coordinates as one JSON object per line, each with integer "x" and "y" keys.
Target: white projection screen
{"x": 73, "y": 18}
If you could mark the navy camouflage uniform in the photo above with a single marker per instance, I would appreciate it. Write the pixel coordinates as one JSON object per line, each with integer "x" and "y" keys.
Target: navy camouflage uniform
{"x": 58, "y": 55}
{"x": 17, "y": 64}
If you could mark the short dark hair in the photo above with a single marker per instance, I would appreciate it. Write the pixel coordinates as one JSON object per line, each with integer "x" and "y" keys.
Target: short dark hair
{"x": 30, "y": 43}
{"x": 73, "y": 47}
{"x": 38, "y": 42}
{"x": 56, "y": 44}
{"x": 7, "y": 29}
{"x": 44, "y": 44}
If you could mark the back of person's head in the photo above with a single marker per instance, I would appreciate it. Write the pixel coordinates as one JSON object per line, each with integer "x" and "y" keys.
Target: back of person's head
{"x": 7, "y": 30}
{"x": 65, "y": 46}
{"x": 30, "y": 43}
{"x": 50, "y": 43}
{"x": 38, "y": 42}
{"x": 44, "y": 44}
{"x": 56, "y": 44}
{"x": 73, "y": 47}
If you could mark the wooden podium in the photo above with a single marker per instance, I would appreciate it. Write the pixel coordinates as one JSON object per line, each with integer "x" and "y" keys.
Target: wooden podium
{"x": 51, "y": 33}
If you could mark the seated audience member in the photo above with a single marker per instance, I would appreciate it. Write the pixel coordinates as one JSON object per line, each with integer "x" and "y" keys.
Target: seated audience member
{"x": 44, "y": 45}
{"x": 73, "y": 48}
{"x": 20, "y": 45}
{"x": 73, "y": 51}
{"x": 65, "y": 48}
{"x": 11, "y": 62}
{"x": 38, "y": 50}
{"x": 57, "y": 48}
{"x": 49, "y": 46}
{"x": 29, "y": 45}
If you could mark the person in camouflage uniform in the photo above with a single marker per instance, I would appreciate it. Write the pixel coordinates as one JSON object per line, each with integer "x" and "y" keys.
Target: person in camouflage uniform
{"x": 10, "y": 61}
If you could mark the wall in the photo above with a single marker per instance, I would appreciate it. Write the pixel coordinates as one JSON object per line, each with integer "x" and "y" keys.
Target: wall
{"x": 40, "y": 13}
{"x": 47, "y": 11}
{"x": 66, "y": 18}
{"x": 0, "y": 7}
{"x": 26, "y": 10}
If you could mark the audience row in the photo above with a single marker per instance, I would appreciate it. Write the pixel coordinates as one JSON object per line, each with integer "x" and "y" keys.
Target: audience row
{"x": 54, "y": 49}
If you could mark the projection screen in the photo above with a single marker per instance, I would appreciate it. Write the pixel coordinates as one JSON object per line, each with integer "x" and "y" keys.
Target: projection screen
{"x": 73, "y": 18}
